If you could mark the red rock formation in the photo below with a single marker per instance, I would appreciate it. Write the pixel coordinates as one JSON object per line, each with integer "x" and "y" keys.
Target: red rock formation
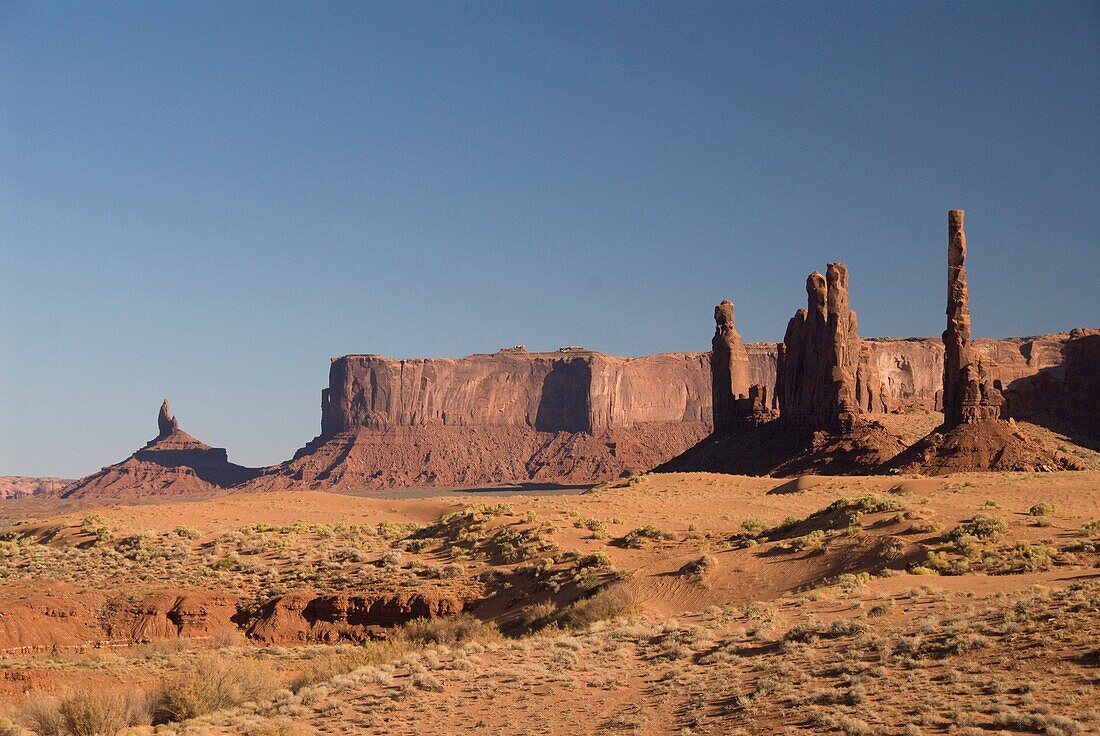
{"x": 305, "y": 616}
{"x": 571, "y": 391}
{"x": 973, "y": 437}
{"x": 1067, "y": 394}
{"x": 173, "y": 463}
{"x": 729, "y": 369}
{"x": 166, "y": 422}
{"x": 18, "y": 486}
{"x": 573, "y": 416}
{"x": 969, "y": 393}
{"x": 819, "y": 360}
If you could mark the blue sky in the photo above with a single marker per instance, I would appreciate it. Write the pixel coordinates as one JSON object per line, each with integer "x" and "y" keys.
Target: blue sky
{"x": 208, "y": 200}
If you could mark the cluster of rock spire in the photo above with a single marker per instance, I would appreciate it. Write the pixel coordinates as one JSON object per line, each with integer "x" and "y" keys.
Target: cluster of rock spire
{"x": 826, "y": 378}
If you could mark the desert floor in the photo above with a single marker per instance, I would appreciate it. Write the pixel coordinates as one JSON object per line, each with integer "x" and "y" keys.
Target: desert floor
{"x": 667, "y": 603}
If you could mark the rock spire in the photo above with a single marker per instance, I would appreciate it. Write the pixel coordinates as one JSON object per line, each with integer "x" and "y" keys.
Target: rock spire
{"x": 969, "y": 392}
{"x": 165, "y": 421}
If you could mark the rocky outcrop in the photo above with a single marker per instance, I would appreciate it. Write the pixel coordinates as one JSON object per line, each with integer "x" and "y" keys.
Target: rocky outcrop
{"x": 512, "y": 417}
{"x": 448, "y": 457}
{"x": 172, "y": 464}
{"x": 166, "y": 423}
{"x": 169, "y": 615}
{"x": 824, "y": 378}
{"x": 969, "y": 391}
{"x": 735, "y": 398}
{"x": 1066, "y": 394}
{"x": 305, "y": 616}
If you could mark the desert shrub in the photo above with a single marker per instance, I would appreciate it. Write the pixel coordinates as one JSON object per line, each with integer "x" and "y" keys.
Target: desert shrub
{"x": 1033, "y": 557}
{"x": 84, "y": 713}
{"x": 1042, "y": 509}
{"x": 392, "y": 559}
{"x": 596, "y": 559}
{"x": 10, "y": 728}
{"x": 699, "y": 566}
{"x": 225, "y": 638}
{"x": 981, "y": 527}
{"x": 1091, "y": 528}
{"x": 813, "y": 540}
{"x": 608, "y": 603}
{"x": 805, "y": 631}
{"x": 967, "y": 642}
{"x": 538, "y": 612}
{"x": 277, "y": 728}
{"x": 211, "y": 683}
{"x": 427, "y": 681}
{"x": 1036, "y": 722}
{"x": 753, "y": 526}
{"x": 447, "y": 630}
{"x": 636, "y": 537}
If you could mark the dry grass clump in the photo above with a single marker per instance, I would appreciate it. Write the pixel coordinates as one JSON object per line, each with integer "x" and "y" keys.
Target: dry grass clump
{"x": 608, "y": 603}
{"x": 211, "y": 683}
{"x": 446, "y": 630}
{"x": 84, "y": 713}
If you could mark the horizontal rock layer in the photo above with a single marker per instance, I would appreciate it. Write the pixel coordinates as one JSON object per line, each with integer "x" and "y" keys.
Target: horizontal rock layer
{"x": 589, "y": 392}
{"x": 571, "y": 391}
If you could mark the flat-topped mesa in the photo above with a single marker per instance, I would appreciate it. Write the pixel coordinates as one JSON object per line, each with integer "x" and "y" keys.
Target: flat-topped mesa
{"x": 571, "y": 391}
{"x": 730, "y": 373}
{"x": 969, "y": 392}
{"x": 825, "y": 379}
{"x": 166, "y": 423}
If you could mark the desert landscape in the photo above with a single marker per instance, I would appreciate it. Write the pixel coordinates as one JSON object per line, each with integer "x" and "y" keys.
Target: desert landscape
{"x": 770, "y": 540}
{"x": 870, "y": 506}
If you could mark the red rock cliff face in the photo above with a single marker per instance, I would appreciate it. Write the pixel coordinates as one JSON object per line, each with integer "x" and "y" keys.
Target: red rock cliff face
{"x": 570, "y": 391}
{"x": 910, "y": 370}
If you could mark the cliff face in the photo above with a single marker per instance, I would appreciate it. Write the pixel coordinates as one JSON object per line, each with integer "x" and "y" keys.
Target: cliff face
{"x": 911, "y": 369}
{"x": 572, "y": 391}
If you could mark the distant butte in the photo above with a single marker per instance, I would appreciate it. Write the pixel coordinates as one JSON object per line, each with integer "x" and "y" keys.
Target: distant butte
{"x": 172, "y": 464}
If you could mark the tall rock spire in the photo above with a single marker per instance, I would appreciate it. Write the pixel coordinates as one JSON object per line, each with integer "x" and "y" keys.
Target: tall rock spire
{"x": 165, "y": 421}
{"x": 969, "y": 393}
{"x": 729, "y": 368}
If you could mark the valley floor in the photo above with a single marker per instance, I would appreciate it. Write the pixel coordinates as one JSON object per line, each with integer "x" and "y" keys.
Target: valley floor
{"x": 661, "y": 604}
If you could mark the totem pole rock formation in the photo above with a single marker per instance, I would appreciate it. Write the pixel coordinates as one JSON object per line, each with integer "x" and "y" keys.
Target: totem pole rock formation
{"x": 969, "y": 394}
{"x": 166, "y": 422}
{"x": 729, "y": 371}
{"x": 825, "y": 377}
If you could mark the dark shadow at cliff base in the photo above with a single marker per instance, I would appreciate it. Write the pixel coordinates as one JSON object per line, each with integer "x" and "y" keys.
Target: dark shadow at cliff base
{"x": 771, "y": 449}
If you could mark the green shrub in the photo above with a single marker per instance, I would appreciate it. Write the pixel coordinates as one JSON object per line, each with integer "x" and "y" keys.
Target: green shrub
{"x": 981, "y": 527}
{"x": 636, "y": 537}
{"x": 1042, "y": 509}
{"x": 753, "y": 526}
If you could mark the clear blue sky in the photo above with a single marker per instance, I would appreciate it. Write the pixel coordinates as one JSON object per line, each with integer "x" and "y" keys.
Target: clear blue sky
{"x": 207, "y": 200}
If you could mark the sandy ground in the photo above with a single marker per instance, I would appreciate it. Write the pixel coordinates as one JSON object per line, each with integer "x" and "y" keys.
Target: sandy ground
{"x": 1002, "y": 639}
